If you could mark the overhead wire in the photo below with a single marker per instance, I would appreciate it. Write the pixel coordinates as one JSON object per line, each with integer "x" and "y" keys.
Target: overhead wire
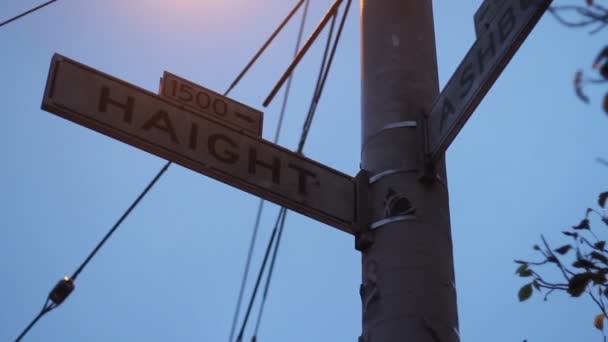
{"x": 266, "y": 44}
{"x": 322, "y": 77}
{"x": 321, "y": 85}
{"x": 26, "y": 13}
{"x": 281, "y": 226}
{"x": 313, "y": 36}
{"x": 269, "y": 276}
{"x": 46, "y": 308}
{"x": 288, "y": 85}
{"x": 50, "y": 304}
{"x": 322, "y": 68}
{"x": 278, "y": 230}
{"x": 256, "y": 228}
{"x": 120, "y": 220}
{"x": 261, "y": 202}
{"x": 280, "y": 219}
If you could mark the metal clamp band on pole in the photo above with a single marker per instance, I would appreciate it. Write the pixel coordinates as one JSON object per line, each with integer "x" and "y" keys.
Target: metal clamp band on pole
{"x": 400, "y": 124}
{"x": 388, "y": 220}
{"x": 390, "y": 126}
{"x": 377, "y": 177}
{"x": 393, "y": 125}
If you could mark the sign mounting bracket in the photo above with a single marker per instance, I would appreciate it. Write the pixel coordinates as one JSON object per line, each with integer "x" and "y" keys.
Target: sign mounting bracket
{"x": 361, "y": 228}
{"x": 427, "y": 166}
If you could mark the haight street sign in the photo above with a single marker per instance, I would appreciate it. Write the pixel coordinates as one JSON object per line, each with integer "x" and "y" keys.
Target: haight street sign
{"x": 208, "y": 146}
{"x": 200, "y": 99}
{"x": 479, "y": 69}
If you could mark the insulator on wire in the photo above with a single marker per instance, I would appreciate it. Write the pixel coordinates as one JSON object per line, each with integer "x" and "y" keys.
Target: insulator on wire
{"x": 62, "y": 290}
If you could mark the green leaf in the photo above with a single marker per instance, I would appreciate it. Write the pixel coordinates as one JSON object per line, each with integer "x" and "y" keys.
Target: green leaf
{"x": 582, "y": 263}
{"x": 584, "y": 224}
{"x": 600, "y": 245}
{"x": 578, "y": 283}
{"x": 523, "y": 271}
{"x": 525, "y": 292}
{"x": 536, "y": 285}
{"x": 599, "y": 277}
{"x": 599, "y": 256}
{"x": 602, "y": 199}
{"x": 571, "y": 234}
{"x": 536, "y": 248}
{"x": 563, "y": 249}
{"x": 521, "y": 268}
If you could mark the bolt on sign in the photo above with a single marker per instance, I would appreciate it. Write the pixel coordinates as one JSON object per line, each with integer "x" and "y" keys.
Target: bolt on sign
{"x": 202, "y": 100}
{"x": 199, "y": 142}
{"x": 512, "y": 22}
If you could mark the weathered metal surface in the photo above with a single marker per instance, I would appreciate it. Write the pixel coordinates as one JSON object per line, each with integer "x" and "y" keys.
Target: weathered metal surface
{"x": 205, "y": 101}
{"x": 479, "y": 69}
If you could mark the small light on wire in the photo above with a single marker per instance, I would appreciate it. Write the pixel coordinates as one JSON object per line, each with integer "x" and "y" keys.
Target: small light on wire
{"x": 62, "y": 290}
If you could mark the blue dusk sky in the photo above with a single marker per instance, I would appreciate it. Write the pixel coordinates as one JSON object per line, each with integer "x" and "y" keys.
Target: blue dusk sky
{"x": 524, "y": 165}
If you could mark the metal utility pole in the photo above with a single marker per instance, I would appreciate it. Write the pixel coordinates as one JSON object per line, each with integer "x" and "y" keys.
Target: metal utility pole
{"x": 408, "y": 291}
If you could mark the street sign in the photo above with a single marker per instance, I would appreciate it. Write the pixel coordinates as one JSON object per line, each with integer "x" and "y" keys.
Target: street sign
{"x": 202, "y": 100}
{"x": 479, "y": 69}
{"x": 203, "y": 144}
{"x": 485, "y": 15}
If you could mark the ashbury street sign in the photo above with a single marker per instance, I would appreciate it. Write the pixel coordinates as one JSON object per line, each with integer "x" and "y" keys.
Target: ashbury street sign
{"x": 201, "y": 143}
{"x": 512, "y": 21}
{"x": 485, "y": 14}
{"x": 200, "y": 99}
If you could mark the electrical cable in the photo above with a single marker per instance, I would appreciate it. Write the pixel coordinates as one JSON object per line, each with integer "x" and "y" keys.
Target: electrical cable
{"x": 261, "y": 50}
{"x": 282, "y": 225}
{"x": 281, "y": 228}
{"x": 121, "y": 219}
{"x": 26, "y": 13}
{"x": 323, "y": 72}
{"x": 322, "y": 77}
{"x": 269, "y": 277}
{"x": 288, "y": 85}
{"x": 70, "y": 281}
{"x": 51, "y": 302}
{"x": 322, "y": 68}
{"x": 319, "y": 90}
{"x": 302, "y": 52}
{"x": 256, "y": 228}
{"x": 260, "y": 209}
{"x": 48, "y": 306}
{"x": 280, "y": 218}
